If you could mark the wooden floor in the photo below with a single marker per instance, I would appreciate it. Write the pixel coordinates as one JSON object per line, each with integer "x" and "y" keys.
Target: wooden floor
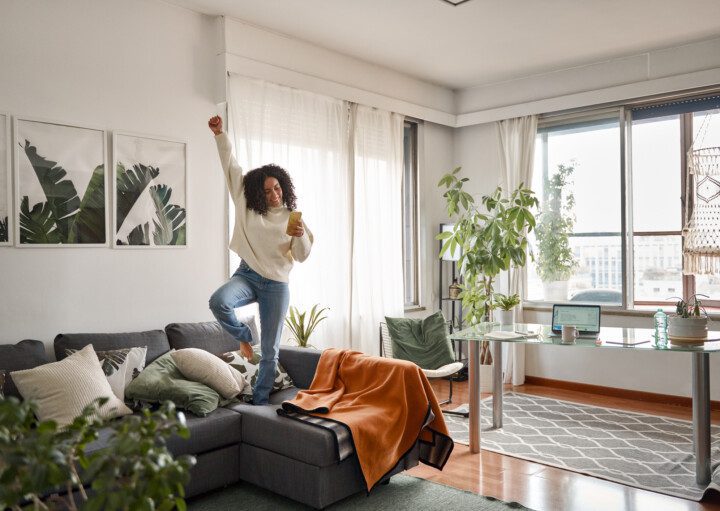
{"x": 544, "y": 488}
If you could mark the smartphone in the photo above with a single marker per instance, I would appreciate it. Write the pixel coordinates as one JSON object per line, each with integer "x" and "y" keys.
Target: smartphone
{"x": 293, "y": 221}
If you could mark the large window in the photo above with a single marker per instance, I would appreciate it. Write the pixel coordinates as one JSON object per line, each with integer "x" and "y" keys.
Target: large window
{"x": 612, "y": 188}
{"x": 410, "y": 216}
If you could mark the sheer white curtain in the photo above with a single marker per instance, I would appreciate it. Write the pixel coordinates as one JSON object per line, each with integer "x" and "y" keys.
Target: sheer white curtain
{"x": 377, "y": 223}
{"x": 517, "y": 151}
{"x": 306, "y": 134}
{"x": 346, "y": 164}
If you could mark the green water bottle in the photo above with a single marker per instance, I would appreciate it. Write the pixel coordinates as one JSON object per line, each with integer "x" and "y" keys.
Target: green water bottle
{"x": 661, "y": 339}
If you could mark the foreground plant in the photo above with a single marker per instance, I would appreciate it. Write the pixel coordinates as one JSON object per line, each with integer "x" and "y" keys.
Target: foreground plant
{"x": 43, "y": 467}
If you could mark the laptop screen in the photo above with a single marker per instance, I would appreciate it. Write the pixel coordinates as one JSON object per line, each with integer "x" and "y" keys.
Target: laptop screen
{"x": 585, "y": 317}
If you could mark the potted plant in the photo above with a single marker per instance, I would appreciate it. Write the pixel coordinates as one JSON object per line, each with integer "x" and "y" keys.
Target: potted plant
{"x": 689, "y": 324}
{"x": 301, "y": 328}
{"x": 38, "y": 460}
{"x": 555, "y": 261}
{"x": 505, "y": 305}
{"x": 492, "y": 239}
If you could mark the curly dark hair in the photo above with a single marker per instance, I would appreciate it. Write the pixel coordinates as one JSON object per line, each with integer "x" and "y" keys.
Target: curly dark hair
{"x": 254, "y": 184}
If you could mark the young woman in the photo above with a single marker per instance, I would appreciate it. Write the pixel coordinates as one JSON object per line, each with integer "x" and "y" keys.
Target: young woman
{"x": 263, "y": 200}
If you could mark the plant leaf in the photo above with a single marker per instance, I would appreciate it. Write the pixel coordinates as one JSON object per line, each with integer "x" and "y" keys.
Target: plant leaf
{"x": 169, "y": 216}
{"x": 140, "y": 235}
{"x": 4, "y": 233}
{"x": 89, "y": 224}
{"x": 62, "y": 198}
{"x": 37, "y": 226}
{"x": 130, "y": 185}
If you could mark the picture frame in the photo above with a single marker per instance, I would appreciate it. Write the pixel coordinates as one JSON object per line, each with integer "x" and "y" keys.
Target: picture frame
{"x": 149, "y": 191}
{"x": 61, "y": 184}
{"x": 6, "y": 193}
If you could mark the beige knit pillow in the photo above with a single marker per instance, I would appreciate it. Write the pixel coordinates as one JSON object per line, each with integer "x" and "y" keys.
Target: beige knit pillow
{"x": 204, "y": 367}
{"x": 62, "y": 389}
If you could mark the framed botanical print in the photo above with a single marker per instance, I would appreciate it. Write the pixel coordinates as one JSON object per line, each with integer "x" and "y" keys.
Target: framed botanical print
{"x": 5, "y": 181}
{"x": 60, "y": 184}
{"x": 150, "y": 191}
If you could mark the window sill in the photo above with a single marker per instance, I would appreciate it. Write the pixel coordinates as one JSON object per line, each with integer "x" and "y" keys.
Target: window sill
{"x": 414, "y": 308}
{"x": 613, "y": 311}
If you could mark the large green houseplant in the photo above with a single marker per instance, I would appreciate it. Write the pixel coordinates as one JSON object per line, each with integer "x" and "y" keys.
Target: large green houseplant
{"x": 43, "y": 467}
{"x": 555, "y": 262}
{"x": 492, "y": 239}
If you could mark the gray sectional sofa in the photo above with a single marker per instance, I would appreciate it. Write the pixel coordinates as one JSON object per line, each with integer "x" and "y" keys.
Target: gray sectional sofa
{"x": 240, "y": 442}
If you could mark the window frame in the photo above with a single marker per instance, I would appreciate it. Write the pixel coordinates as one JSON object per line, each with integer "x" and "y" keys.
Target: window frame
{"x": 624, "y": 117}
{"x": 412, "y": 288}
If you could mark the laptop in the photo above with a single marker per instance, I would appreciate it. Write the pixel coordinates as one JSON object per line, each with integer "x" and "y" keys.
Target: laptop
{"x": 585, "y": 317}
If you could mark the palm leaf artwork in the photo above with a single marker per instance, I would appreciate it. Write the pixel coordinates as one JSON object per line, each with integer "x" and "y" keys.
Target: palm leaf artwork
{"x": 170, "y": 222}
{"x": 4, "y": 233}
{"x": 63, "y": 218}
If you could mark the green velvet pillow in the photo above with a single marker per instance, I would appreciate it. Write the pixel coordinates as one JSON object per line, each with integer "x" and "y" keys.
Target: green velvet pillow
{"x": 163, "y": 381}
{"x": 423, "y": 341}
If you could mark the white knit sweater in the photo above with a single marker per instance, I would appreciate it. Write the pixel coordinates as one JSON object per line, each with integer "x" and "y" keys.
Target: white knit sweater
{"x": 260, "y": 240}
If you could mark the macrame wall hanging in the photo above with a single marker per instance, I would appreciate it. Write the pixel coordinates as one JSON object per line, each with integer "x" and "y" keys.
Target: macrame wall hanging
{"x": 701, "y": 235}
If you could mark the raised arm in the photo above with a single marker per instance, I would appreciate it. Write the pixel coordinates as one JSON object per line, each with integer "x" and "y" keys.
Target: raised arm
{"x": 231, "y": 168}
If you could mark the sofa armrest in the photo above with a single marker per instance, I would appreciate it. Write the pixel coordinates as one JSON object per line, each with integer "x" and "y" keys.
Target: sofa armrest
{"x": 300, "y": 363}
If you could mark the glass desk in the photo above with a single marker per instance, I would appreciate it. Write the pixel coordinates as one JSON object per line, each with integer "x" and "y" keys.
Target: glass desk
{"x": 609, "y": 338}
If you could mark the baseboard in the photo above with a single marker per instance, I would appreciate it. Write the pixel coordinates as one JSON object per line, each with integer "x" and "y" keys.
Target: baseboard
{"x": 615, "y": 392}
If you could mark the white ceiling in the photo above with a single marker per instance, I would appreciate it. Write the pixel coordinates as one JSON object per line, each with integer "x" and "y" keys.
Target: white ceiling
{"x": 480, "y": 41}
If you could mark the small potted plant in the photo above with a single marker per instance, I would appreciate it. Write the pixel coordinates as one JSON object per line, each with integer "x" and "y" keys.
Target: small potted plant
{"x": 506, "y": 304}
{"x": 303, "y": 328}
{"x": 689, "y": 324}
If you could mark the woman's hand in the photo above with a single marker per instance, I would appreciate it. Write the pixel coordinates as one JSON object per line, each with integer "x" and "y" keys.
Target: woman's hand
{"x": 215, "y": 124}
{"x": 297, "y": 231}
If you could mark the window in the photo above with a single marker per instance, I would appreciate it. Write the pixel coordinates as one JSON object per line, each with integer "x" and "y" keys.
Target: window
{"x": 410, "y": 215}
{"x": 578, "y": 242}
{"x": 612, "y": 188}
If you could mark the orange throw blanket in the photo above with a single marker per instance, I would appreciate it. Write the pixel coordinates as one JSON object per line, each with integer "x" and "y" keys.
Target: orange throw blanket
{"x": 387, "y": 404}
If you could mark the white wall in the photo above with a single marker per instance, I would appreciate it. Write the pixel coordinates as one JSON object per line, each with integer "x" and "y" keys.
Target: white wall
{"x": 141, "y": 66}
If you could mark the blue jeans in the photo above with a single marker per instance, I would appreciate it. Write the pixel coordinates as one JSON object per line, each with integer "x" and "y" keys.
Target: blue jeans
{"x": 244, "y": 287}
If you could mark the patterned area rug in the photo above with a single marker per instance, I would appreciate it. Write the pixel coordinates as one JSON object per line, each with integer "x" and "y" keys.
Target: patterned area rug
{"x": 644, "y": 451}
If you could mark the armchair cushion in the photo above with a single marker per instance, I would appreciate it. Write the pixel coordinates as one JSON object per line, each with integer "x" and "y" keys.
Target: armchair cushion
{"x": 422, "y": 341}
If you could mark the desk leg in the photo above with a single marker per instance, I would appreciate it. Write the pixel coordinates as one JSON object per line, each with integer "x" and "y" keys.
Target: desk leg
{"x": 497, "y": 384}
{"x": 474, "y": 384}
{"x": 701, "y": 415}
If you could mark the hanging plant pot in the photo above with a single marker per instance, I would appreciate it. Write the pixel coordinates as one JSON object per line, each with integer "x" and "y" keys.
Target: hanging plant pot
{"x": 692, "y": 330}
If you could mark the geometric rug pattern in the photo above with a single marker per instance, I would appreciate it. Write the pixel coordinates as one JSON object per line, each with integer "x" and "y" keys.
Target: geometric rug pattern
{"x": 635, "y": 449}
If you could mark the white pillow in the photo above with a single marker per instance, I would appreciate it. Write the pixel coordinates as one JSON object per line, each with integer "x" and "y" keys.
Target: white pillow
{"x": 120, "y": 366}
{"x": 62, "y": 389}
{"x": 204, "y": 367}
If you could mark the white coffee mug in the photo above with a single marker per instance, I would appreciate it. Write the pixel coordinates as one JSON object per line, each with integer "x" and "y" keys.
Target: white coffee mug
{"x": 569, "y": 333}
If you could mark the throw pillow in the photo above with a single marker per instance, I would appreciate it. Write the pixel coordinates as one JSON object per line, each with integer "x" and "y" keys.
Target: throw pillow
{"x": 204, "y": 367}
{"x": 62, "y": 389}
{"x": 422, "y": 341}
{"x": 120, "y": 366}
{"x": 163, "y": 381}
{"x": 249, "y": 369}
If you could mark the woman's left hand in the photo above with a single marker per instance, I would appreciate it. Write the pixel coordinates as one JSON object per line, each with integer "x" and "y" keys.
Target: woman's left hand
{"x": 297, "y": 231}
